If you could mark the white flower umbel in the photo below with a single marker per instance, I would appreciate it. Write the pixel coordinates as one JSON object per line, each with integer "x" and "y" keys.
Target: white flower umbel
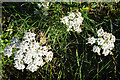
{"x": 105, "y": 42}
{"x": 29, "y": 52}
{"x": 73, "y": 21}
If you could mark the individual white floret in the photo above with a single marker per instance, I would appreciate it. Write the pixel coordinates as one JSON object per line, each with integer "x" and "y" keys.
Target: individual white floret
{"x": 15, "y": 42}
{"x": 49, "y": 56}
{"x": 100, "y": 41}
{"x": 35, "y": 54}
{"x": 69, "y": 28}
{"x": 28, "y": 36}
{"x": 44, "y": 48}
{"x": 105, "y": 46}
{"x": 96, "y": 49}
{"x": 32, "y": 67}
{"x": 38, "y": 61}
{"x": 27, "y": 59}
{"x": 110, "y": 44}
{"x": 32, "y": 36}
{"x": 78, "y": 21}
{"x": 18, "y": 52}
{"x": 37, "y": 45}
{"x": 18, "y": 56}
{"x": 91, "y": 40}
{"x": 78, "y": 14}
{"x": 19, "y": 65}
{"x": 45, "y": 52}
{"x": 45, "y": 5}
{"x": 24, "y": 46}
{"x": 8, "y": 51}
{"x": 106, "y": 52}
{"x": 106, "y": 36}
{"x": 100, "y": 32}
{"x": 34, "y": 45}
{"x": 112, "y": 38}
{"x": 78, "y": 29}
{"x": 16, "y": 45}
{"x": 71, "y": 15}
{"x": 40, "y": 53}
{"x": 111, "y": 47}
{"x": 64, "y": 20}
{"x": 70, "y": 23}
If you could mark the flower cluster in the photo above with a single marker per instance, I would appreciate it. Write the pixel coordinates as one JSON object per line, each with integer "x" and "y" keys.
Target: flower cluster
{"x": 104, "y": 42}
{"x": 28, "y": 53}
{"x": 73, "y": 21}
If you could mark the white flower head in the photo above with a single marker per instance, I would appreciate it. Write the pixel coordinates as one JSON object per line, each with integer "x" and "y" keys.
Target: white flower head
{"x": 29, "y": 52}
{"x": 73, "y": 21}
{"x": 105, "y": 41}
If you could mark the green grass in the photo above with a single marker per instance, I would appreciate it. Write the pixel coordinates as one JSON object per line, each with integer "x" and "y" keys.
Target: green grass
{"x": 73, "y": 59}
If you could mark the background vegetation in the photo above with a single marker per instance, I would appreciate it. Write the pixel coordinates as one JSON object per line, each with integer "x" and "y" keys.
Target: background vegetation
{"x": 73, "y": 59}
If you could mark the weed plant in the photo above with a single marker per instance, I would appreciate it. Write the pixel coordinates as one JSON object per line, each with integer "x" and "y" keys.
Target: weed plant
{"x": 73, "y": 59}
